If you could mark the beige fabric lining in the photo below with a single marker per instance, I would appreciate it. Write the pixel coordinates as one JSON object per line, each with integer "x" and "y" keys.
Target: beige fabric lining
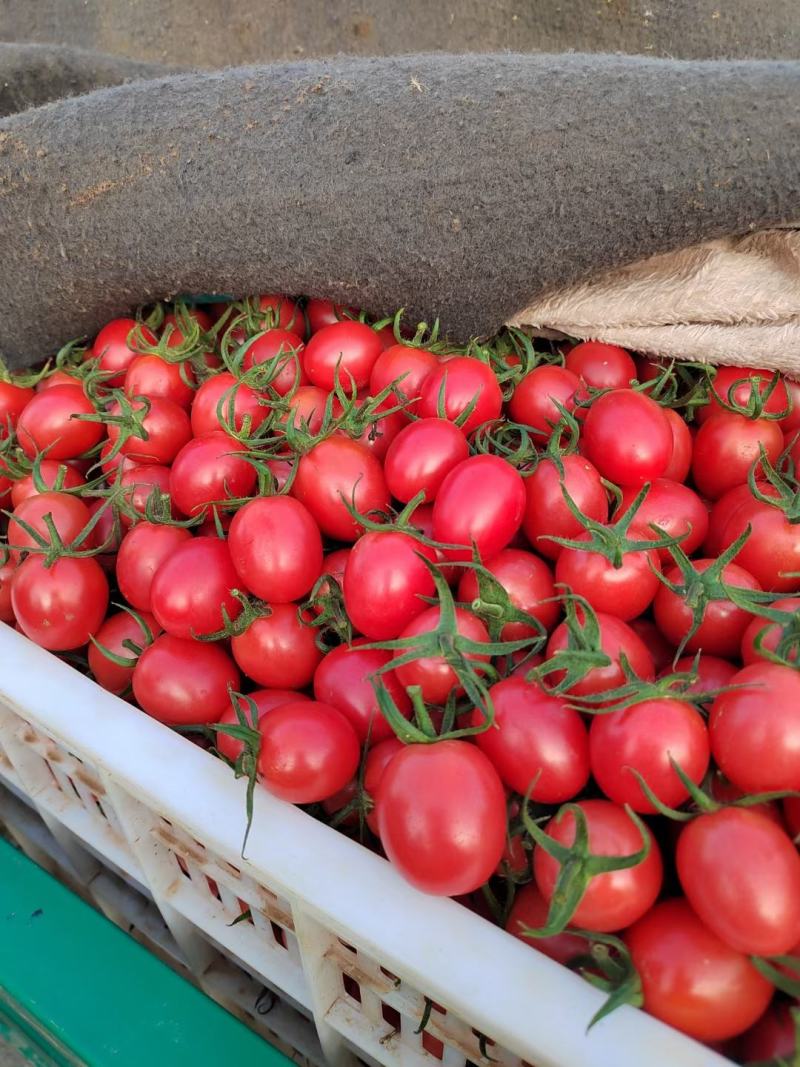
{"x": 734, "y": 300}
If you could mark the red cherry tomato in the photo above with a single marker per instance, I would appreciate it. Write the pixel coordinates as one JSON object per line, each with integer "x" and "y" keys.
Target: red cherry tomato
{"x": 222, "y": 401}
{"x": 209, "y": 470}
{"x": 378, "y": 759}
{"x": 345, "y": 351}
{"x": 772, "y": 551}
{"x": 113, "y": 347}
{"x": 617, "y": 639}
{"x": 407, "y": 367}
{"x": 154, "y": 376}
{"x": 466, "y": 384}
{"x": 141, "y": 552}
{"x": 480, "y": 503}
{"x": 265, "y": 701}
{"x": 674, "y": 508}
{"x": 278, "y": 651}
{"x": 625, "y": 590}
{"x": 761, "y": 634}
{"x": 323, "y": 313}
{"x": 628, "y": 437}
{"x": 55, "y": 476}
{"x": 738, "y": 385}
{"x": 343, "y": 679}
{"x": 116, "y": 630}
{"x": 692, "y": 980}
{"x": 6, "y": 576}
{"x": 281, "y": 311}
{"x": 773, "y": 1038}
{"x": 143, "y": 482}
{"x": 529, "y": 583}
{"x": 334, "y": 474}
{"x": 601, "y": 366}
{"x": 442, "y": 816}
{"x": 712, "y": 672}
{"x": 546, "y": 511}
{"x": 59, "y": 607}
{"x": 166, "y": 426}
{"x": 682, "y": 445}
{"x": 309, "y": 751}
{"x": 534, "y": 401}
{"x": 727, "y": 446}
{"x": 283, "y": 351}
{"x": 13, "y": 401}
{"x": 421, "y": 456}
{"x": 68, "y": 514}
{"x": 435, "y": 677}
{"x": 49, "y": 422}
{"x": 192, "y": 590}
{"x": 529, "y": 912}
{"x": 385, "y": 581}
{"x": 182, "y": 682}
{"x": 276, "y": 548}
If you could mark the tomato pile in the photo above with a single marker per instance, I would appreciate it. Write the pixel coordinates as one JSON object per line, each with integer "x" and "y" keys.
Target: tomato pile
{"x": 522, "y": 619}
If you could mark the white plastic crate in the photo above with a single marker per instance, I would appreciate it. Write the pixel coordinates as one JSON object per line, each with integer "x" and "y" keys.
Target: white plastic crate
{"x": 334, "y": 931}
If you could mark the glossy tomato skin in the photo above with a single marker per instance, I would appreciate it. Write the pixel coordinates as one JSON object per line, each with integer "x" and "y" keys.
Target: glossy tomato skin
{"x": 465, "y": 380}
{"x": 421, "y": 456}
{"x": 534, "y": 400}
{"x": 675, "y": 509}
{"x": 309, "y": 751}
{"x": 151, "y": 376}
{"x": 408, "y": 367}
{"x": 529, "y": 583}
{"x": 52, "y": 474}
{"x": 283, "y": 351}
{"x": 280, "y": 311}
{"x": 13, "y": 401}
{"x": 615, "y": 899}
{"x": 727, "y": 446}
{"x": 723, "y": 623}
{"x": 625, "y": 591}
{"x": 741, "y": 874}
{"x": 116, "y": 629}
{"x": 723, "y": 510}
{"x": 378, "y": 759}
{"x": 384, "y": 583}
{"x": 181, "y": 682}
{"x": 278, "y": 651}
{"x": 7, "y": 569}
{"x": 434, "y": 676}
{"x": 59, "y": 607}
{"x": 547, "y": 514}
{"x": 209, "y": 470}
{"x": 755, "y": 729}
{"x": 193, "y": 587}
{"x": 347, "y": 350}
{"x": 682, "y": 447}
{"x": 48, "y": 422}
{"x": 772, "y": 551}
{"x": 342, "y": 680}
{"x": 334, "y": 565}
{"x": 141, "y": 553}
{"x": 761, "y": 634}
{"x": 336, "y": 470}
{"x": 616, "y": 639}
{"x": 265, "y": 700}
{"x": 643, "y": 738}
{"x": 600, "y": 365}
{"x": 167, "y": 427}
{"x": 276, "y": 548}
{"x": 442, "y": 816}
{"x": 737, "y": 385}
{"x": 529, "y": 911}
{"x": 481, "y": 502}
{"x": 222, "y": 400}
{"x": 690, "y": 978}
{"x": 141, "y": 482}
{"x": 627, "y": 437}
{"x": 712, "y": 672}
{"x": 113, "y": 348}
{"x": 538, "y": 744}
{"x": 69, "y": 516}
{"x": 321, "y": 313}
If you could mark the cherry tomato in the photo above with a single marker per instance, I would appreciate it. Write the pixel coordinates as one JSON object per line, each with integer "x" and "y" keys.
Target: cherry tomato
{"x": 154, "y": 376}
{"x": 143, "y": 481}
{"x": 421, "y": 456}
{"x": 692, "y": 980}
{"x": 342, "y": 679}
{"x": 222, "y": 401}
{"x": 466, "y": 384}
{"x": 741, "y": 874}
{"x": 790, "y": 423}
{"x": 68, "y": 514}
{"x": 722, "y": 510}
{"x": 13, "y": 401}
{"x": 208, "y": 470}
{"x": 761, "y": 634}
{"x": 529, "y": 912}
{"x": 182, "y": 682}
{"x": 442, "y": 816}
{"x": 627, "y": 437}
{"x": 615, "y": 899}
{"x": 435, "y": 677}
{"x": 645, "y": 737}
{"x": 534, "y": 400}
{"x": 625, "y": 590}
{"x": 346, "y": 351}
{"x": 659, "y": 648}
{"x": 309, "y": 751}
{"x": 737, "y": 386}
{"x": 142, "y": 551}
{"x": 306, "y": 409}
{"x": 165, "y": 430}
{"x": 712, "y": 672}
{"x": 385, "y": 581}
{"x": 7, "y": 569}
{"x": 480, "y": 503}
{"x": 682, "y": 445}
{"x": 408, "y": 367}
{"x": 278, "y": 651}
{"x": 283, "y": 350}
{"x": 773, "y": 1038}
{"x": 529, "y": 583}
{"x": 617, "y": 639}
{"x": 323, "y": 313}
{"x": 118, "y": 628}
{"x": 54, "y": 475}
{"x": 276, "y": 548}
{"x": 727, "y": 446}
{"x": 723, "y": 623}
{"x": 772, "y": 551}
{"x": 49, "y": 423}
{"x": 537, "y": 744}
{"x": 334, "y": 474}
{"x": 281, "y": 311}
{"x": 113, "y": 347}
{"x": 59, "y": 607}
{"x": 191, "y": 591}
{"x": 265, "y": 701}
{"x": 334, "y": 565}
{"x": 546, "y": 511}
{"x": 674, "y": 508}
{"x": 601, "y": 366}
{"x": 755, "y": 729}
{"x": 378, "y": 759}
